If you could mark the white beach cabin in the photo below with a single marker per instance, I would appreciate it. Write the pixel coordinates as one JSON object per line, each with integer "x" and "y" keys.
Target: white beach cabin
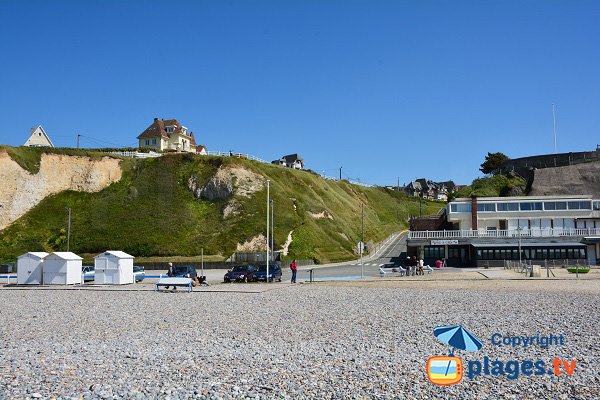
{"x": 30, "y": 267}
{"x": 62, "y": 268}
{"x": 113, "y": 268}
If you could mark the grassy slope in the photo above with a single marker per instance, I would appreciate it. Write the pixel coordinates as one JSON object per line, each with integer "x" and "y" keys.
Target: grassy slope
{"x": 493, "y": 186}
{"x": 150, "y": 212}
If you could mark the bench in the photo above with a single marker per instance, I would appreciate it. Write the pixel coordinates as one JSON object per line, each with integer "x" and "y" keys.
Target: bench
{"x": 393, "y": 270}
{"x": 427, "y": 269}
{"x": 175, "y": 282}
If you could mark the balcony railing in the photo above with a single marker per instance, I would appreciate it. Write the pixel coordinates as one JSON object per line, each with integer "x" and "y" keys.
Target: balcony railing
{"x": 502, "y": 234}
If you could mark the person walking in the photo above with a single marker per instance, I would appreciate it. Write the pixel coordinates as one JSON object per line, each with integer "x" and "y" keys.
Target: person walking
{"x": 413, "y": 266}
{"x": 420, "y": 270}
{"x": 294, "y": 269}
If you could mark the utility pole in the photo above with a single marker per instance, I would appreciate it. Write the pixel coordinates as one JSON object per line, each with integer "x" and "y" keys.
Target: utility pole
{"x": 398, "y": 184}
{"x": 68, "y": 227}
{"x": 268, "y": 206}
{"x": 362, "y": 211}
{"x": 554, "y": 125}
{"x": 340, "y": 173}
{"x": 272, "y": 224}
{"x": 202, "y": 260}
{"x": 78, "y": 136}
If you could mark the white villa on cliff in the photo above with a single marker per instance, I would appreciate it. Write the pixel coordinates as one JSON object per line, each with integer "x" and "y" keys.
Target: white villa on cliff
{"x": 168, "y": 134}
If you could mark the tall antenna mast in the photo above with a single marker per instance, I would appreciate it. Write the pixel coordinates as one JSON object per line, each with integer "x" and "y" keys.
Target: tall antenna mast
{"x": 554, "y": 125}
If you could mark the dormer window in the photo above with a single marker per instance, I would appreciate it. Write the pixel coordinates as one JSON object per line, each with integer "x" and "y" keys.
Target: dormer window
{"x": 169, "y": 129}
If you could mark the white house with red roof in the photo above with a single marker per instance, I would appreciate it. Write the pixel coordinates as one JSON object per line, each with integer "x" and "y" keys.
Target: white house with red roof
{"x": 168, "y": 134}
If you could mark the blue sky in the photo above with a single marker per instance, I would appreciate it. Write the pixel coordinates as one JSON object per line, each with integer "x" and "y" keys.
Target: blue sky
{"x": 384, "y": 89}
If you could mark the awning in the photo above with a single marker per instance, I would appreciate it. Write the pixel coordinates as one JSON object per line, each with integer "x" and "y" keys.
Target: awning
{"x": 591, "y": 240}
{"x": 526, "y": 244}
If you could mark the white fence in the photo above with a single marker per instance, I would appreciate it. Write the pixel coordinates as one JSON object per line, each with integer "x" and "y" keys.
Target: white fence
{"x": 136, "y": 154}
{"x": 237, "y": 155}
{"x": 501, "y": 234}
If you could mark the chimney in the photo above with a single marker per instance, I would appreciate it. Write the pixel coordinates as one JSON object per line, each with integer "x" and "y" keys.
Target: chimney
{"x": 155, "y": 119}
{"x": 474, "y": 212}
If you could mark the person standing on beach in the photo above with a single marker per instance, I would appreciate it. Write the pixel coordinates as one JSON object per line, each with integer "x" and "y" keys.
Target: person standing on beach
{"x": 294, "y": 269}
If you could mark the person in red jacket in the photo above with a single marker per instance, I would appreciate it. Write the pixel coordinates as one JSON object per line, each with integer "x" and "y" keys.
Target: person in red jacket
{"x": 294, "y": 269}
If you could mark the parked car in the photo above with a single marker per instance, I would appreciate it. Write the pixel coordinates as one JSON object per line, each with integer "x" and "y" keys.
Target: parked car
{"x": 88, "y": 272}
{"x": 185, "y": 271}
{"x": 240, "y": 273}
{"x": 274, "y": 273}
{"x": 7, "y": 268}
{"x": 139, "y": 273}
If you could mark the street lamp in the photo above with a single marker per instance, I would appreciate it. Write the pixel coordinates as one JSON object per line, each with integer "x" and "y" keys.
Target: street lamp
{"x": 362, "y": 241}
{"x": 68, "y": 227}
{"x": 268, "y": 206}
{"x": 519, "y": 229}
{"x": 272, "y": 225}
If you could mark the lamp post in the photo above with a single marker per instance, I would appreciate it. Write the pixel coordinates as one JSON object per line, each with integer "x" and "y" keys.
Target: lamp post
{"x": 68, "y": 226}
{"x": 362, "y": 240}
{"x": 272, "y": 225}
{"x": 268, "y": 206}
{"x": 519, "y": 230}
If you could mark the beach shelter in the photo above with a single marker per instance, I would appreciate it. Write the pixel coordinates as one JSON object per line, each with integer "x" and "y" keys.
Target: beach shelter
{"x": 113, "y": 268}
{"x": 30, "y": 267}
{"x": 62, "y": 268}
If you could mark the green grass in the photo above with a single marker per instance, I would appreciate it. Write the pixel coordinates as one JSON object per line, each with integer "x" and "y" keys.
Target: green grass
{"x": 580, "y": 269}
{"x": 494, "y": 186}
{"x": 29, "y": 157}
{"x": 150, "y": 212}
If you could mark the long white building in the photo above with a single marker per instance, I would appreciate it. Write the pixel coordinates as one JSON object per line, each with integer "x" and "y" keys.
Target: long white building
{"x": 489, "y": 230}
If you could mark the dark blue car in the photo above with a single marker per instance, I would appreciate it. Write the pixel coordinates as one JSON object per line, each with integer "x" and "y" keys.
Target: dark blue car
{"x": 240, "y": 273}
{"x": 274, "y": 273}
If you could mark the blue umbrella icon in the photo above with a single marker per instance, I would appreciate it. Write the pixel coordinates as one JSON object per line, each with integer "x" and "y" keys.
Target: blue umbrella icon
{"x": 458, "y": 338}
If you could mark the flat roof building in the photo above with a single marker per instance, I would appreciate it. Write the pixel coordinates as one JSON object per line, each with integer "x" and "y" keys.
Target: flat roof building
{"x": 488, "y": 230}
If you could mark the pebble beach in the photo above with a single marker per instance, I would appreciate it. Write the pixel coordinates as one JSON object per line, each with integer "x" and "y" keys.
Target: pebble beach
{"x": 307, "y": 341}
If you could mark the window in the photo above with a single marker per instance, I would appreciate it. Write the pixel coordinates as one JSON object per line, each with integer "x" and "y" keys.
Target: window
{"x": 597, "y": 205}
{"x": 460, "y": 207}
{"x": 574, "y": 205}
{"x": 147, "y": 142}
{"x": 585, "y": 205}
{"x": 169, "y": 129}
{"x": 531, "y": 206}
{"x": 486, "y": 207}
{"x": 434, "y": 252}
{"x": 561, "y": 205}
{"x": 153, "y": 141}
{"x": 508, "y": 206}
{"x": 549, "y": 205}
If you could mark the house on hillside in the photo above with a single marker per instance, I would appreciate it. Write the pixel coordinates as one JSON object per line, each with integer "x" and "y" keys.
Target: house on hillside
{"x": 290, "y": 161}
{"x": 428, "y": 189}
{"x": 168, "y": 134}
{"x": 38, "y": 138}
{"x": 200, "y": 149}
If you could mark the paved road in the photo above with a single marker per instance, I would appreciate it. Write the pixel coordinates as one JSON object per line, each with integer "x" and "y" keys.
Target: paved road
{"x": 352, "y": 269}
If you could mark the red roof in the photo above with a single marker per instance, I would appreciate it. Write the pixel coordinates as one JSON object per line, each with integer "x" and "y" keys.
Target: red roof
{"x": 158, "y": 129}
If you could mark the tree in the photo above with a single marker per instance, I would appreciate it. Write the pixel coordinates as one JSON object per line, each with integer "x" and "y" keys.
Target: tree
{"x": 492, "y": 162}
